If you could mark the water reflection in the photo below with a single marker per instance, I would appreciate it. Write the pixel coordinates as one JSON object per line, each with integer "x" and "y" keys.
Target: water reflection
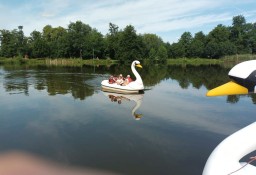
{"x": 181, "y": 124}
{"x": 82, "y": 82}
{"x": 53, "y": 80}
{"x": 126, "y": 98}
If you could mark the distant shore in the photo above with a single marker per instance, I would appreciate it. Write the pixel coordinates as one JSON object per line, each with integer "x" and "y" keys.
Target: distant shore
{"x": 227, "y": 61}
{"x": 80, "y": 62}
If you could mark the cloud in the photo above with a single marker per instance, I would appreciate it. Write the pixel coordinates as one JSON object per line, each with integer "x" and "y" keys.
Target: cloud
{"x": 152, "y": 16}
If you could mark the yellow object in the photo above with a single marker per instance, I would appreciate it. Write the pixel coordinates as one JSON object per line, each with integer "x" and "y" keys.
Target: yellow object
{"x": 138, "y": 65}
{"x": 230, "y": 88}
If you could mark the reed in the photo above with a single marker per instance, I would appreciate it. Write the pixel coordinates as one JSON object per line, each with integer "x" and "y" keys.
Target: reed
{"x": 56, "y": 62}
{"x": 194, "y": 61}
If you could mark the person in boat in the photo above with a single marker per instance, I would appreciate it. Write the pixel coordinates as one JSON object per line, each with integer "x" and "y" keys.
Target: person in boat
{"x": 120, "y": 80}
{"x": 127, "y": 80}
{"x": 111, "y": 80}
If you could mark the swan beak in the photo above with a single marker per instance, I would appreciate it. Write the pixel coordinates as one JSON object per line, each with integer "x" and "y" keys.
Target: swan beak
{"x": 230, "y": 88}
{"x": 138, "y": 65}
{"x": 137, "y": 116}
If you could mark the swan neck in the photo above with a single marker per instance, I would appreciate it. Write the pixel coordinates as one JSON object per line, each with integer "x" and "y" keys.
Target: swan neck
{"x": 137, "y": 75}
{"x": 138, "y": 103}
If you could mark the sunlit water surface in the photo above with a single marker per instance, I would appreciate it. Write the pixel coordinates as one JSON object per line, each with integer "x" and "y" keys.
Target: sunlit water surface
{"x": 62, "y": 114}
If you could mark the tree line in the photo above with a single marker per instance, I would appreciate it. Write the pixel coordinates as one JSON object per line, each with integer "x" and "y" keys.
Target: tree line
{"x": 80, "y": 40}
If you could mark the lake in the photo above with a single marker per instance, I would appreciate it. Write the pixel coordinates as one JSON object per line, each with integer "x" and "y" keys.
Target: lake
{"x": 60, "y": 113}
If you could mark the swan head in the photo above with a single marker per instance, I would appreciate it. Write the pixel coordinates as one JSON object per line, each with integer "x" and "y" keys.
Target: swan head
{"x": 137, "y": 116}
{"x": 243, "y": 77}
{"x": 137, "y": 83}
{"x": 136, "y": 63}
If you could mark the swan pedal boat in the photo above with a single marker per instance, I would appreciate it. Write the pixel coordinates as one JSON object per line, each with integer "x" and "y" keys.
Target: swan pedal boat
{"x": 225, "y": 158}
{"x": 133, "y": 87}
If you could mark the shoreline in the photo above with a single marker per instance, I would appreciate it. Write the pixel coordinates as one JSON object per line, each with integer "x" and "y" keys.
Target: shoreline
{"x": 227, "y": 60}
{"x": 76, "y": 62}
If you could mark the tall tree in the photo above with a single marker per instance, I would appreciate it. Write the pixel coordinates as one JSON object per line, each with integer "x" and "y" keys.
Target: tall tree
{"x": 78, "y": 38}
{"x": 162, "y": 54}
{"x": 185, "y": 42}
{"x": 218, "y": 43}
{"x": 154, "y": 46}
{"x": 176, "y": 50}
{"x": 8, "y": 43}
{"x": 197, "y": 46}
{"x": 38, "y": 46}
{"x": 130, "y": 45}
{"x": 112, "y": 40}
{"x": 57, "y": 41}
{"x": 237, "y": 33}
{"x": 96, "y": 45}
{"x": 22, "y": 47}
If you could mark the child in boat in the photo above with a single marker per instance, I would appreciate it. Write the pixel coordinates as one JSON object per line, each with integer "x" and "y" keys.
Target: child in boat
{"x": 120, "y": 80}
{"x": 127, "y": 80}
{"x": 111, "y": 80}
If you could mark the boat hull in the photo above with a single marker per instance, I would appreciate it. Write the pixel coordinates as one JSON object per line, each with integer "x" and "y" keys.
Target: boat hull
{"x": 120, "y": 89}
{"x": 225, "y": 159}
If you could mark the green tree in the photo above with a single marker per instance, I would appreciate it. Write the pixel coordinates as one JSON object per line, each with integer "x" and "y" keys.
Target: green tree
{"x": 237, "y": 34}
{"x": 8, "y": 43}
{"x": 130, "y": 45}
{"x": 162, "y": 53}
{"x": 57, "y": 41}
{"x": 61, "y": 42}
{"x": 153, "y": 46}
{"x": 13, "y": 43}
{"x": 96, "y": 45}
{"x": 249, "y": 38}
{"x": 22, "y": 46}
{"x": 252, "y": 38}
{"x": 197, "y": 46}
{"x": 185, "y": 42}
{"x": 212, "y": 49}
{"x": 177, "y": 50}
{"x": 78, "y": 38}
{"x": 152, "y": 54}
{"x": 112, "y": 41}
{"x": 218, "y": 43}
{"x": 38, "y": 46}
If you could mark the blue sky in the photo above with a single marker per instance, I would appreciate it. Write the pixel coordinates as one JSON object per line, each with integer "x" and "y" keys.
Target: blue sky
{"x": 169, "y": 19}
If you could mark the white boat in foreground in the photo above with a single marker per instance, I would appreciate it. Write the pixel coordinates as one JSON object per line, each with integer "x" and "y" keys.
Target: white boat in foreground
{"x": 136, "y": 86}
{"x": 225, "y": 159}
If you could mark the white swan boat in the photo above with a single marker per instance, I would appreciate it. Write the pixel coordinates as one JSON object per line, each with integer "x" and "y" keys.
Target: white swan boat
{"x": 120, "y": 98}
{"x": 225, "y": 159}
{"x": 136, "y": 86}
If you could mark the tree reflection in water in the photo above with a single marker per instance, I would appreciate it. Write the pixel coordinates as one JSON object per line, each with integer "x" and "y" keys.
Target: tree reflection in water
{"x": 72, "y": 80}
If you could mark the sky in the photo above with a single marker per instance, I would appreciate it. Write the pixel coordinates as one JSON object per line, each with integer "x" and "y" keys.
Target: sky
{"x": 168, "y": 19}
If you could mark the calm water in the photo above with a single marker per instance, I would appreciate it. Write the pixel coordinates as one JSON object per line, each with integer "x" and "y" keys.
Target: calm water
{"x": 62, "y": 114}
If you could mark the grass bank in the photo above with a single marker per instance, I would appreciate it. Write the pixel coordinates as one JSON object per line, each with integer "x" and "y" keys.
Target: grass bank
{"x": 194, "y": 61}
{"x": 56, "y": 62}
{"x": 239, "y": 58}
{"x": 227, "y": 61}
